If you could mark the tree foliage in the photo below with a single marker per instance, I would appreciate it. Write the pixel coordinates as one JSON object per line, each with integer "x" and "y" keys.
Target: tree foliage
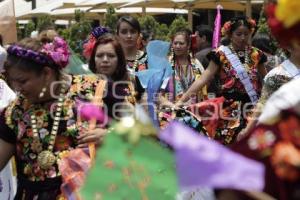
{"x": 29, "y": 28}
{"x": 263, "y": 28}
{"x": 111, "y": 18}
{"x": 44, "y": 22}
{"x": 177, "y": 24}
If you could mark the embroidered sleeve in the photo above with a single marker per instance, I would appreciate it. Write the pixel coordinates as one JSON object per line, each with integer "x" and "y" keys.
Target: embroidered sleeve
{"x": 6, "y": 133}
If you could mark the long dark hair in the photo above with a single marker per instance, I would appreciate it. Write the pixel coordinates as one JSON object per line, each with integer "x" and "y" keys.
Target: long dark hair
{"x": 121, "y": 71}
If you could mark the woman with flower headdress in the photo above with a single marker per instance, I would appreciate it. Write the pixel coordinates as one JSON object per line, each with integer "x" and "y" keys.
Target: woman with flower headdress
{"x": 239, "y": 68}
{"x": 275, "y": 140}
{"x": 106, "y": 58}
{"x": 43, "y": 124}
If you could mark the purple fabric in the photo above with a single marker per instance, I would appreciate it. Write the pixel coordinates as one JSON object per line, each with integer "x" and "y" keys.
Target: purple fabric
{"x": 99, "y": 31}
{"x": 202, "y": 162}
{"x": 217, "y": 31}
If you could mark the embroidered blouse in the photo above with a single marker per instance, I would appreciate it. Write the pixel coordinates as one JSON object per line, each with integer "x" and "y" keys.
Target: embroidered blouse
{"x": 182, "y": 79}
{"x": 276, "y": 146}
{"x": 229, "y": 84}
{"x": 15, "y": 127}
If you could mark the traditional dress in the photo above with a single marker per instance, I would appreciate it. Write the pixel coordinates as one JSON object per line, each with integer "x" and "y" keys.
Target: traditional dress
{"x": 139, "y": 64}
{"x": 239, "y": 83}
{"x": 275, "y": 142}
{"x": 7, "y": 180}
{"x": 277, "y": 77}
{"x": 174, "y": 87}
{"x": 35, "y": 182}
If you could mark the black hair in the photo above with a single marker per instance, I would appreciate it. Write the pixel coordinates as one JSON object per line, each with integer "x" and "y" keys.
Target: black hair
{"x": 262, "y": 41}
{"x": 146, "y": 34}
{"x": 205, "y": 31}
{"x": 131, "y": 21}
{"x": 236, "y": 22}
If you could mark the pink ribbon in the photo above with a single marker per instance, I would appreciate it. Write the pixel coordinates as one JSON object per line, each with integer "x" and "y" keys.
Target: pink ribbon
{"x": 217, "y": 30}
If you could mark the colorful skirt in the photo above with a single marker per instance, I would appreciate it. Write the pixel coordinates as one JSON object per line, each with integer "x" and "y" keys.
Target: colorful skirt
{"x": 219, "y": 119}
{"x": 223, "y": 119}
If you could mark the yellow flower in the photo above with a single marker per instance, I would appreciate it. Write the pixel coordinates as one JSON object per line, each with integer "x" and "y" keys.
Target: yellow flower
{"x": 287, "y": 11}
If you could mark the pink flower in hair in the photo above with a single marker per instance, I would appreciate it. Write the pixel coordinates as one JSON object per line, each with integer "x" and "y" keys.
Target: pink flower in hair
{"x": 58, "y": 51}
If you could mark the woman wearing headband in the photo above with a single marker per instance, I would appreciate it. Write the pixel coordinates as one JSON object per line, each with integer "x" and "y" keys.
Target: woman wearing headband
{"x": 239, "y": 70}
{"x": 41, "y": 126}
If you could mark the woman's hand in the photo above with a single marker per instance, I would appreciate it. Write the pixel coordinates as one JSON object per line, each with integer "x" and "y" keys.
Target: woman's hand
{"x": 94, "y": 136}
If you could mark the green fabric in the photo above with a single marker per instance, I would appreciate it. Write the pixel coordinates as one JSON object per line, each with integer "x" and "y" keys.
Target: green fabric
{"x": 75, "y": 65}
{"x": 121, "y": 168}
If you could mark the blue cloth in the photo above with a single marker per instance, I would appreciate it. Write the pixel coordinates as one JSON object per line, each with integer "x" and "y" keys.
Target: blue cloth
{"x": 158, "y": 70}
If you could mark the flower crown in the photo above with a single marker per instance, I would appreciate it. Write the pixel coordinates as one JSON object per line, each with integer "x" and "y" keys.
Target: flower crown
{"x": 284, "y": 20}
{"x": 228, "y": 25}
{"x": 55, "y": 53}
{"x": 89, "y": 45}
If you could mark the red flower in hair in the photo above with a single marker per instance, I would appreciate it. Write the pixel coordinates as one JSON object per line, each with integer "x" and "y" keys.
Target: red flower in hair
{"x": 89, "y": 46}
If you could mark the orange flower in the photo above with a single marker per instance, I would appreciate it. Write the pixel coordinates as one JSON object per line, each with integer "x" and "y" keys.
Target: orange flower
{"x": 286, "y": 161}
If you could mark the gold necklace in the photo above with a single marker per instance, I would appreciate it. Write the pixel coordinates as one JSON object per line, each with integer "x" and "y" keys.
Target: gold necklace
{"x": 46, "y": 158}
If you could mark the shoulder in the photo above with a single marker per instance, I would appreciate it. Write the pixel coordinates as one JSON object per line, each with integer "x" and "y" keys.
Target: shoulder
{"x": 197, "y": 64}
{"x": 279, "y": 70}
{"x": 282, "y": 99}
{"x": 14, "y": 111}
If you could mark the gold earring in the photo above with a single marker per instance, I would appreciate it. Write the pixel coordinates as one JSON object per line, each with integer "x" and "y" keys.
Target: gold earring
{"x": 42, "y": 94}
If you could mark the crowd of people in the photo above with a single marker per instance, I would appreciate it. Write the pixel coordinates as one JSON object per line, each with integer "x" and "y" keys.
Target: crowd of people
{"x": 231, "y": 94}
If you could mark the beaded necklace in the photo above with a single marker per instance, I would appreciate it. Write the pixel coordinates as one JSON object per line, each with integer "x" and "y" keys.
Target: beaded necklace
{"x": 244, "y": 54}
{"x": 135, "y": 62}
{"x": 46, "y": 158}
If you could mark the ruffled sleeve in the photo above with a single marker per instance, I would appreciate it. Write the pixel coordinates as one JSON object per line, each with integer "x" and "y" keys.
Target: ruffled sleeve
{"x": 215, "y": 56}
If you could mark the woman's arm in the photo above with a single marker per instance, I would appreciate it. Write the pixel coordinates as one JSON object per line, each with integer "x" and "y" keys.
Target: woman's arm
{"x": 7, "y": 150}
{"x": 206, "y": 77}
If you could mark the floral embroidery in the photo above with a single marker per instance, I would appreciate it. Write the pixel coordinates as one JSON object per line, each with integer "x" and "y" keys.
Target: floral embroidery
{"x": 261, "y": 140}
{"x": 229, "y": 81}
{"x": 17, "y": 118}
{"x": 286, "y": 160}
{"x": 279, "y": 144}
